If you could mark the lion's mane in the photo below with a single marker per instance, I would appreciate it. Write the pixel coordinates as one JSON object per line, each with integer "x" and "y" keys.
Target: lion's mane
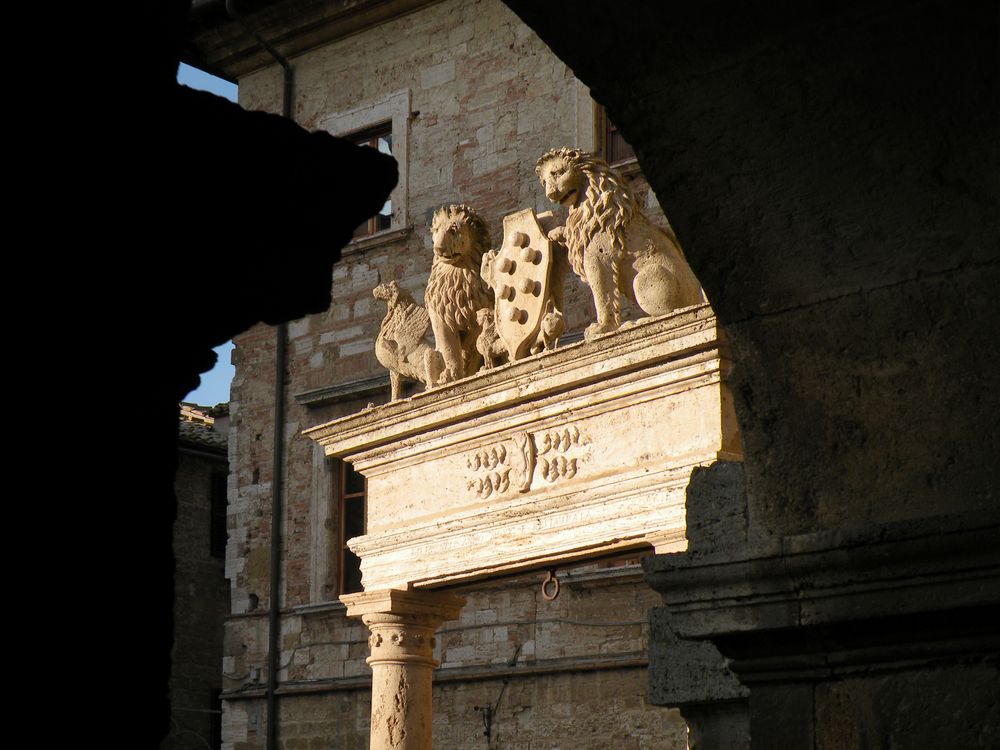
{"x": 456, "y": 291}
{"x": 608, "y": 205}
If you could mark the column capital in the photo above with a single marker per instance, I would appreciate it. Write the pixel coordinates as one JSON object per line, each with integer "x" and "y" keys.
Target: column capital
{"x": 432, "y": 605}
{"x": 402, "y": 625}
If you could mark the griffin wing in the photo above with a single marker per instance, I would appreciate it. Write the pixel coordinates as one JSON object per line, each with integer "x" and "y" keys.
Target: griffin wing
{"x": 409, "y": 328}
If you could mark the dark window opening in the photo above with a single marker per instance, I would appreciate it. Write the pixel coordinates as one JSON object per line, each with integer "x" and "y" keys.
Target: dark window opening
{"x": 380, "y": 138}
{"x": 352, "y": 524}
{"x": 612, "y": 144}
{"x": 217, "y": 525}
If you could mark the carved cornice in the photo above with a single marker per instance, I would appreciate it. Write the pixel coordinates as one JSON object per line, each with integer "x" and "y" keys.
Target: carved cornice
{"x": 887, "y": 570}
{"x": 349, "y": 391}
{"x": 680, "y": 340}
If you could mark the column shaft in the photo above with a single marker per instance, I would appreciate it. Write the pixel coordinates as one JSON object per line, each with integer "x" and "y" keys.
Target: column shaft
{"x": 402, "y": 625}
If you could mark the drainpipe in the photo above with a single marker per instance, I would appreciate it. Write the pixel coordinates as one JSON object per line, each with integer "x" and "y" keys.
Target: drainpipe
{"x": 278, "y": 457}
{"x": 277, "y": 488}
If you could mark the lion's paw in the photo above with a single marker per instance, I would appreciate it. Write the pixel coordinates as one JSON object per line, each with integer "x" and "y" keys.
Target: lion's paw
{"x": 596, "y": 329}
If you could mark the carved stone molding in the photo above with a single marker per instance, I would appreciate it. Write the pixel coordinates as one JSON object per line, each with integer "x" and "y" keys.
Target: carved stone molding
{"x": 556, "y": 459}
{"x": 506, "y": 465}
{"x": 549, "y": 460}
{"x": 401, "y": 637}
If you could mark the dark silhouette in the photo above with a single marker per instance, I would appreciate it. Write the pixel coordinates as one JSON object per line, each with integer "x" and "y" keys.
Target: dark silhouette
{"x": 208, "y": 219}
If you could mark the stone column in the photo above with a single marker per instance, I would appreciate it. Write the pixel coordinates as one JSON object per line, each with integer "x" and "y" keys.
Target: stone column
{"x": 402, "y": 625}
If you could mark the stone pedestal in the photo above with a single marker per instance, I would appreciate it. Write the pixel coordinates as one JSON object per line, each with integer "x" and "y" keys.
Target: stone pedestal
{"x": 402, "y": 625}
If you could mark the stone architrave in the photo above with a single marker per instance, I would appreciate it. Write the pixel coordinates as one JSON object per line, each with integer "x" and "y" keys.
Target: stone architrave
{"x": 402, "y": 642}
{"x": 521, "y": 271}
{"x": 547, "y": 461}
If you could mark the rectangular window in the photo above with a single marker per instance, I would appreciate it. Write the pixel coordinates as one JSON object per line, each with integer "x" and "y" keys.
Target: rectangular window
{"x": 379, "y": 137}
{"x": 352, "y": 524}
{"x": 613, "y": 146}
{"x": 383, "y": 124}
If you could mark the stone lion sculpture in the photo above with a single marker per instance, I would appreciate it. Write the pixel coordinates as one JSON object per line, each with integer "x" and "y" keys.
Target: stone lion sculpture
{"x": 403, "y": 346}
{"x": 611, "y": 245}
{"x": 455, "y": 290}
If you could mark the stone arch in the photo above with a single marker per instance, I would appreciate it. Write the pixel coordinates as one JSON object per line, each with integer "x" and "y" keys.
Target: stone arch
{"x": 830, "y": 177}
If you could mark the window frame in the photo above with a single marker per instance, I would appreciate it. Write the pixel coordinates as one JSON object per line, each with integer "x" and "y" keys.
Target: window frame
{"x": 604, "y": 131}
{"x": 343, "y": 551}
{"x": 371, "y": 137}
{"x": 393, "y": 109}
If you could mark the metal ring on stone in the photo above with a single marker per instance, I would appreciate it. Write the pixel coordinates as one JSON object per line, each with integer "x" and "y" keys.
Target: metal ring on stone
{"x": 550, "y": 582}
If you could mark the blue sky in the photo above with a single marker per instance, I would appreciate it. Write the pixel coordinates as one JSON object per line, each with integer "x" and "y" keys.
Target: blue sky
{"x": 214, "y": 388}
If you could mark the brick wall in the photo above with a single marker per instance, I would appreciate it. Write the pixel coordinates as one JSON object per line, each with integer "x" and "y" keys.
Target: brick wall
{"x": 563, "y": 674}
{"x": 487, "y": 98}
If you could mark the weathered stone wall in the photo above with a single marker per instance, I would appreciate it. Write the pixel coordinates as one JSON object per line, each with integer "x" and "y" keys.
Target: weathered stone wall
{"x": 457, "y": 153}
{"x": 834, "y": 176}
{"x": 575, "y": 670}
{"x": 201, "y": 605}
{"x": 568, "y": 711}
{"x": 487, "y": 99}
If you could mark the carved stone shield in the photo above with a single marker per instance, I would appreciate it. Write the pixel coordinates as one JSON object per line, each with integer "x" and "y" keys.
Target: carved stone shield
{"x": 521, "y": 281}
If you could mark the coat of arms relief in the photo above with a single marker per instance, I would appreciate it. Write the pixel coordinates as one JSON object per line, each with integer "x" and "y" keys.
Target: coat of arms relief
{"x": 486, "y": 307}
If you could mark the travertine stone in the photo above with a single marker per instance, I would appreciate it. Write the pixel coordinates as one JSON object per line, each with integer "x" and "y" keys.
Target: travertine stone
{"x": 612, "y": 245}
{"x": 402, "y": 641}
{"x": 455, "y": 292}
{"x": 527, "y": 287}
{"x": 553, "y": 459}
{"x": 403, "y": 346}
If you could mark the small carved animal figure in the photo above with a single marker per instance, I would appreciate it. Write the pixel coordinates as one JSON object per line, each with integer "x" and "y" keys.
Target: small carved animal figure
{"x": 486, "y": 268}
{"x": 550, "y": 330}
{"x": 489, "y": 345}
{"x": 455, "y": 291}
{"x": 402, "y": 345}
{"x": 611, "y": 244}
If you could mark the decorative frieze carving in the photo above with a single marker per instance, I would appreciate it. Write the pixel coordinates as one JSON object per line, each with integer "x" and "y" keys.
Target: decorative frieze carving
{"x": 557, "y": 468}
{"x": 558, "y": 440}
{"x": 553, "y": 445}
{"x": 498, "y": 468}
{"x": 524, "y": 453}
{"x": 491, "y": 475}
{"x": 493, "y": 482}
{"x": 489, "y": 458}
